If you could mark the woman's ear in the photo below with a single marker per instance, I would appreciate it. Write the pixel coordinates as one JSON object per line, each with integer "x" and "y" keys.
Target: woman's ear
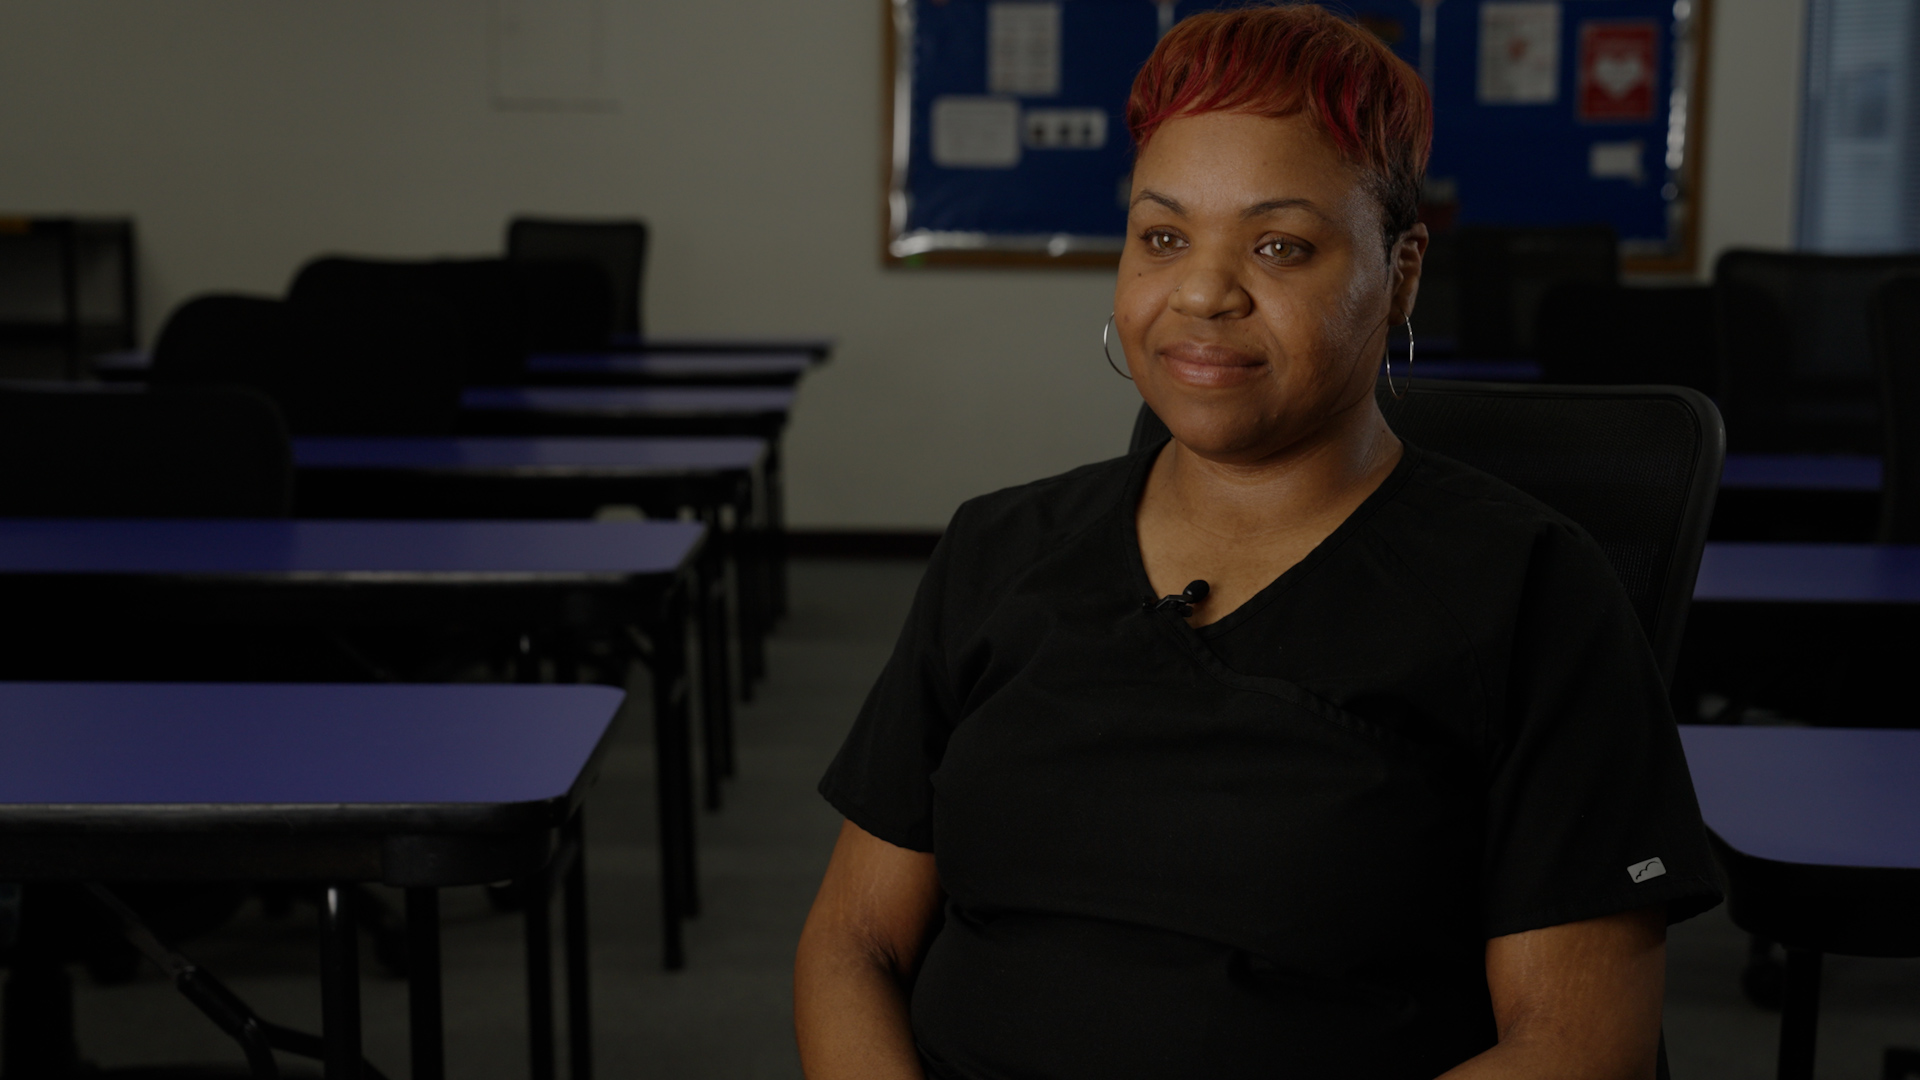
{"x": 1403, "y": 266}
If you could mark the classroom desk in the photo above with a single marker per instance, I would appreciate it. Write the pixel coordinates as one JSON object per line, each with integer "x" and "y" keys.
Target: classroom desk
{"x": 537, "y": 577}
{"x": 418, "y": 787}
{"x": 819, "y": 350}
{"x": 1809, "y": 574}
{"x": 1819, "y": 831}
{"x": 358, "y": 476}
{"x": 659, "y": 367}
{"x": 1801, "y": 472}
{"x": 754, "y": 411}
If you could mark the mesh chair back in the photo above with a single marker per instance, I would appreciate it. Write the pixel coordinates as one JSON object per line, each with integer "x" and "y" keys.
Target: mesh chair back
{"x": 221, "y": 340}
{"x": 1504, "y": 271}
{"x": 493, "y": 311}
{"x": 1596, "y": 333}
{"x": 1796, "y": 363}
{"x": 1635, "y": 466}
{"x": 1895, "y": 323}
{"x": 618, "y": 247}
{"x": 164, "y": 453}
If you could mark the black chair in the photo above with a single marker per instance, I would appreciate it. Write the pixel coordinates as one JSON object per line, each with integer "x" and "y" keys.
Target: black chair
{"x": 617, "y": 247}
{"x": 486, "y": 315}
{"x": 1895, "y": 327}
{"x": 1796, "y": 365}
{"x": 1593, "y": 333}
{"x": 172, "y": 453}
{"x": 1504, "y": 271}
{"x": 1636, "y": 466}
{"x": 224, "y": 340}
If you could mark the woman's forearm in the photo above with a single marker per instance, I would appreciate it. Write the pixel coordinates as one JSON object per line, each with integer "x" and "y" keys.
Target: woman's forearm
{"x": 850, "y": 1013}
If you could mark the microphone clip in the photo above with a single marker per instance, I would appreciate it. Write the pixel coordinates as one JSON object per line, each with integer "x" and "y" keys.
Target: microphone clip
{"x": 1180, "y": 603}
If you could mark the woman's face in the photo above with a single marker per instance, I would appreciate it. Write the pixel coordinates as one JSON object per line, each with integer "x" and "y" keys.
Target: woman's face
{"x": 1255, "y": 288}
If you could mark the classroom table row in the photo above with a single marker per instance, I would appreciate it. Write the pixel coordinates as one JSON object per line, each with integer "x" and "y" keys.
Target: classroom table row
{"x": 352, "y": 783}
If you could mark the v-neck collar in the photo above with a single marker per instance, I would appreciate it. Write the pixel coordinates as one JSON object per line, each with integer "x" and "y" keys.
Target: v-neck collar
{"x": 1127, "y": 520}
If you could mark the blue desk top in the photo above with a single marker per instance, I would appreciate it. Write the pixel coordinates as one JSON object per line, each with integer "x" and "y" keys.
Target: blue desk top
{"x": 1809, "y": 573}
{"x": 196, "y": 746}
{"x": 818, "y": 348}
{"x": 1820, "y": 796}
{"x": 369, "y": 551}
{"x": 631, "y": 400}
{"x": 1801, "y": 472}
{"x": 532, "y": 456}
{"x": 673, "y": 364}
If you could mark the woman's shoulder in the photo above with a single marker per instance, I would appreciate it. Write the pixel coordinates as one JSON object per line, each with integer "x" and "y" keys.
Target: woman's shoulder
{"x": 1444, "y": 490}
{"x": 1051, "y": 508}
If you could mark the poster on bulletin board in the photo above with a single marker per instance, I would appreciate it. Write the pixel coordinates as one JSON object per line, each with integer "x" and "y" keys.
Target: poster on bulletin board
{"x": 1008, "y": 139}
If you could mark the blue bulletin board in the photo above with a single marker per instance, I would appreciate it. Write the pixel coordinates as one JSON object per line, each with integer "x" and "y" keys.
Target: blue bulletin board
{"x": 1009, "y": 141}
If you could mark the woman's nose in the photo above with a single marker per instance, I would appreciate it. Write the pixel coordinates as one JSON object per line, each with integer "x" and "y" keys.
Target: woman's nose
{"x": 1210, "y": 292}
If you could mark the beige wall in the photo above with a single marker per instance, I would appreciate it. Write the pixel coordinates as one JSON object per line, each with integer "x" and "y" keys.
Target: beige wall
{"x": 1752, "y": 143}
{"x": 245, "y": 137}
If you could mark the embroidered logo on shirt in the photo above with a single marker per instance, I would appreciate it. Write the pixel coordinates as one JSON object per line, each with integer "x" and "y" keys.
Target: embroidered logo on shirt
{"x": 1646, "y": 871}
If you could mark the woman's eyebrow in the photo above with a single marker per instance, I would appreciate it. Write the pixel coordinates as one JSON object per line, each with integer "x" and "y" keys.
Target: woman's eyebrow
{"x": 1168, "y": 201}
{"x": 1271, "y": 205}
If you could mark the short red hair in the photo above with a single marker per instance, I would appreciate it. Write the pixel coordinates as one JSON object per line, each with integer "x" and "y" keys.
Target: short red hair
{"x": 1280, "y": 60}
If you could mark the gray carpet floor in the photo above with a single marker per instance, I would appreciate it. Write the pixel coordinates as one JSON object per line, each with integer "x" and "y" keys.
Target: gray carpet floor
{"x": 728, "y": 1015}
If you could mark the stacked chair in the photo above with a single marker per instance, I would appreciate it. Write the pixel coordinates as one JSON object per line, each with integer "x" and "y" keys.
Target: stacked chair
{"x": 618, "y": 248}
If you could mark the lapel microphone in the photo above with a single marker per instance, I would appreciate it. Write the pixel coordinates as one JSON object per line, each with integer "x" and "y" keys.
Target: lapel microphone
{"x": 1180, "y": 603}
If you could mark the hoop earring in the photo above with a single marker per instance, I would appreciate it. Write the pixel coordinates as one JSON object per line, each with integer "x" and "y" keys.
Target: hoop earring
{"x": 1108, "y": 352}
{"x": 1399, "y": 395}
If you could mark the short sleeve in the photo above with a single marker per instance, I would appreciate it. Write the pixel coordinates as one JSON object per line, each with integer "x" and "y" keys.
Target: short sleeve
{"x": 1590, "y": 809}
{"x": 880, "y": 779}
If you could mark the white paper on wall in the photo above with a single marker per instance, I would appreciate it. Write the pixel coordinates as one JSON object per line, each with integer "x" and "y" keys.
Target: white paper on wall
{"x": 975, "y": 132}
{"x": 1618, "y": 161}
{"x": 548, "y": 54}
{"x": 1023, "y": 49}
{"x": 1519, "y": 53}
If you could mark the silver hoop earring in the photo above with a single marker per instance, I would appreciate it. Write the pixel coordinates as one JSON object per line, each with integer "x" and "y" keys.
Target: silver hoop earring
{"x": 1107, "y": 351}
{"x": 1401, "y": 394}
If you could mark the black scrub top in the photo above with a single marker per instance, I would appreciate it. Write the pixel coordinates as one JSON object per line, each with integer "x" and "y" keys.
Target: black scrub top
{"x": 1275, "y": 845}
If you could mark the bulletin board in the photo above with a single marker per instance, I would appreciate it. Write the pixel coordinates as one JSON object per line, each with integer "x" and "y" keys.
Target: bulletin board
{"x": 1007, "y": 140}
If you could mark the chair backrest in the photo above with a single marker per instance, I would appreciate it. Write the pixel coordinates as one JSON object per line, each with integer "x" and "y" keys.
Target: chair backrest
{"x": 373, "y": 365}
{"x": 1895, "y": 324}
{"x": 1503, "y": 271}
{"x": 1637, "y": 467}
{"x": 1597, "y": 333}
{"x": 221, "y": 340}
{"x": 617, "y": 247}
{"x": 1796, "y": 363}
{"x": 219, "y": 452}
{"x": 492, "y": 312}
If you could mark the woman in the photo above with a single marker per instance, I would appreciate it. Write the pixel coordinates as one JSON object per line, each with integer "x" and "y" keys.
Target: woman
{"x": 1400, "y": 796}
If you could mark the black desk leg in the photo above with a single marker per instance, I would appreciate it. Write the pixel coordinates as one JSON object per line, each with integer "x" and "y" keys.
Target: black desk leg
{"x": 425, "y": 1015}
{"x": 673, "y": 770}
{"x": 339, "y": 984}
{"x": 777, "y": 527}
{"x": 716, "y": 690}
{"x": 579, "y": 999}
{"x": 537, "y": 898}
{"x": 1799, "y": 1015}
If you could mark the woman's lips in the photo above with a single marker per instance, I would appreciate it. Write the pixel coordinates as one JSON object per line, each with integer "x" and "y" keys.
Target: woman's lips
{"x": 1212, "y": 365}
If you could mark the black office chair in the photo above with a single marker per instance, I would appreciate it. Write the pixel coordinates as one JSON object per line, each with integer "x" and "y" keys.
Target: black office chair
{"x": 1504, "y": 271}
{"x": 1895, "y": 333}
{"x": 223, "y": 340}
{"x": 618, "y": 247}
{"x": 1636, "y": 466}
{"x": 171, "y": 453}
{"x": 1796, "y": 365}
{"x": 1593, "y": 333}
{"x": 485, "y": 315}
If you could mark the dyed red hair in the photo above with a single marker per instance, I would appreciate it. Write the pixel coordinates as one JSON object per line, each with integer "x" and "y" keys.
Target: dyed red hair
{"x": 1280, "y": 60}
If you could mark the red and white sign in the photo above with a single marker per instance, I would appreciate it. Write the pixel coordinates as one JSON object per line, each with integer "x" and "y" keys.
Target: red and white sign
{"x": 1618, "y": 61}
